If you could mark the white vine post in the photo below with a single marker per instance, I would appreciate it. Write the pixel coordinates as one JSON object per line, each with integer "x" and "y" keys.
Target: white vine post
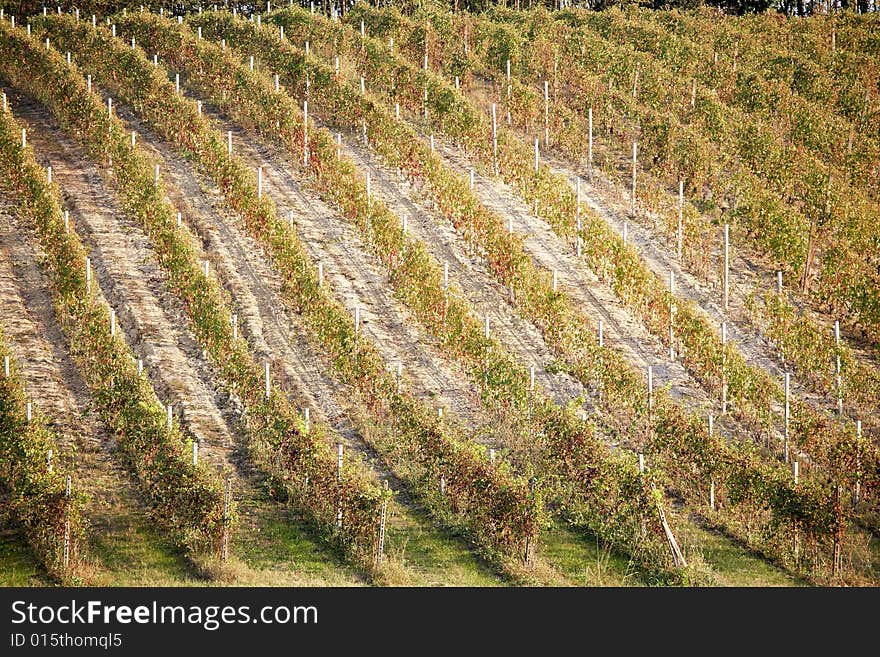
{"x": 277, "y": 83}
{"x": 252, "y": 62}
{"x": 445, "y": 289}
{"x": 693, "y": 93}
{"x": 635, "y": 164}
{"x": 307, "y": 419}
{"x": 536, "y": 156}
{"x": 546, "y": 114}
{"x": 787, "y": 417}
{"x": 858, "y": 485}
{"x": 29, "y": 412}
{"x": 49, "y": 466}
{"x": 531, "y": 389}
{"x": 494, "y": 140}
{"x": 320, "y": 274}
{"x": 671, "y": 315}
{"x": 177, "y": 83}
{"x": 195, "y": 453}
{"x": 338, "y": 145}
{"x": 224, "y": 540}
{"x": 590, "y": 147}
{"x": 723, "y": 368}
{"x": 6, "y": 366}
{"x": 156, "y": 176}
{"x": 235, "y": 327}
{"x": 88, "y": 275}
{"x": 650, "y": 401}
{"x": 140, "y": 366}
{"x": 268, "y": 379}
{"x": 837, "y": 367}
{"x": 625, "y": 231}
{"x": 179, "y": 219}
{"x": 796, "y": 472}
{"x": 339, "y": 452}
{"x": 712, "y": 479}
{"x": 380, "y": 547}
{"x": 726, "y": 266}
{"x": 305, "y": 133}
{"x": 48, "y": 175}
{"x": 779, "y": 282}
{"x": 23, "y": 138}
{"x": 508, "y": 92}
{"x": 65, "y": 558}
{"x": 109, "y": 107}
{"x": 680, "y": 233}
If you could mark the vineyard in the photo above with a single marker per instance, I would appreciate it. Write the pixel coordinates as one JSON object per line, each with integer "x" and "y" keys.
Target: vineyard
{"x": 299, "y": 295}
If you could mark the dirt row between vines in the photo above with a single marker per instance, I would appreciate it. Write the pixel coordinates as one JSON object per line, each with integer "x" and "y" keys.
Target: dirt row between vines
{"x": 114, "y": 509}
{"x": 155, "y": 326}
{"x": 273, "y": 331}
